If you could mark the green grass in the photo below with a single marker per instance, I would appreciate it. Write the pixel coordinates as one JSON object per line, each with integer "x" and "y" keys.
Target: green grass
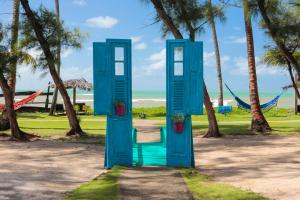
{"x": 237, "y": 122}
{"x": 103, "y": 187}
{"x": 203, "y": 188}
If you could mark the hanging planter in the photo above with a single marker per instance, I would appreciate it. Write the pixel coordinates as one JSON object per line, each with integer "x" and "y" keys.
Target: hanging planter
{"x": 178, "y": 122}
{"x": 119, "y": 108}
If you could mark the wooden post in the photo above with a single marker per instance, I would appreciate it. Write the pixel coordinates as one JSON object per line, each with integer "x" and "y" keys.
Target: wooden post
{"x": 74, "y": 96}
{"x": 47, "y": 98}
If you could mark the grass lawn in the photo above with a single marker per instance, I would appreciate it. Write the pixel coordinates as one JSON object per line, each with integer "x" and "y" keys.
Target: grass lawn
{"x": 103, "y": 187}
{"x": 203, "y": 188}
{"x": 283, "y": 122}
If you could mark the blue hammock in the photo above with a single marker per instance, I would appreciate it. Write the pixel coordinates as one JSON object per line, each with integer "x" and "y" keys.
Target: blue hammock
{"x": 265, "y": 107}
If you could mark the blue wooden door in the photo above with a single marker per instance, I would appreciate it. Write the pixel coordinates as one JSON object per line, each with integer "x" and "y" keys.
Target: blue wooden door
{"x": 114, "y": 86}
{"x": 184, "y": 96}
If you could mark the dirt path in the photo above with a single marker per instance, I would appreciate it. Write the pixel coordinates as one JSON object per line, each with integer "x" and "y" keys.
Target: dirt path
{"x": 153, "y": 183}
{"x": 44, "y": 170}
{"x": 266, "y": 164}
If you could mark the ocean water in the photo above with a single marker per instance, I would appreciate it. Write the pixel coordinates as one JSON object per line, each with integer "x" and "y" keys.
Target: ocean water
{"x": 158, "y": 98}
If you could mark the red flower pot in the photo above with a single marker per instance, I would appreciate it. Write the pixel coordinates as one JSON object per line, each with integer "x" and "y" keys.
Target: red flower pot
{"x": 120, "y": 110}
{"x": 178, "y": 127}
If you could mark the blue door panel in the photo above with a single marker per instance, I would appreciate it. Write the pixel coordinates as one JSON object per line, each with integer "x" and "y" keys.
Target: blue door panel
{"x": 196, "y": 78}
{"x": 119, "y": 143}
{"x": 102, "y": 77}
{"x": 178, "y": 144}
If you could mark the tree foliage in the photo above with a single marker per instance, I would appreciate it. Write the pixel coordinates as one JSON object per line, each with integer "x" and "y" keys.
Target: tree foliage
{"x": 55, "y": 33}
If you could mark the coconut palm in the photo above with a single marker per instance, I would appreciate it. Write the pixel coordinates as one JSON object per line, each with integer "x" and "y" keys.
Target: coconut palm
{"x": 212, "y": 13}
{"x": 282, "y": 22}
{"x": 42, "y": 32}
{"x": 187, "y": 15}
{"x": 259, "y": 123}
{"x": 6, "y": 59}
{"x": 274, "y": 57}
{"x": 54, "y": 99}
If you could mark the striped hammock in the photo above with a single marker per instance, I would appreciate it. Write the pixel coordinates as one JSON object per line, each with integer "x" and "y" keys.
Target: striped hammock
{"x": 24, "y": 101}
{"x": 264, "y": 107}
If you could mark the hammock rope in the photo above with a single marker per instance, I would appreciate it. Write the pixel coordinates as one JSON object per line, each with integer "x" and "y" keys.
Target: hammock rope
{"x": 245, "y": 106}
{"x": 23, "y": 101}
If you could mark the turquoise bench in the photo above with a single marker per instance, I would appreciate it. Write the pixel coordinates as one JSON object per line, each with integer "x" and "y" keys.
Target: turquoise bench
{"x": 149, "y": 153}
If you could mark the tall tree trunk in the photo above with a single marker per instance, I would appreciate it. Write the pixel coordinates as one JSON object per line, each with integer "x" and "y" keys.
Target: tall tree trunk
{"x": 166, "y": 18}
{"x": 54, "y": 99}
{"x": 217, "y": 54}
{"x": 273, "y": 32}
{"x": 73, "y": 121}
{"x": 16, "y": 133}
{"x": 14, "y": 46}
{"x": 292, "y": 79}
{"x": 213, "y": 128}
{"x": 259, "y": 123}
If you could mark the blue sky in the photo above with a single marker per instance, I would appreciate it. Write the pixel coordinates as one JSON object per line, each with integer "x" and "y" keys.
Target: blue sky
{"x": 131, "y": 19}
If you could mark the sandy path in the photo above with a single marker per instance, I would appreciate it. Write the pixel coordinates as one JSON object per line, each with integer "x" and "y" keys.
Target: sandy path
{"x": 268, "y": 165}
{"x": 153, "y": 183}
{"x": 46, "y": 169}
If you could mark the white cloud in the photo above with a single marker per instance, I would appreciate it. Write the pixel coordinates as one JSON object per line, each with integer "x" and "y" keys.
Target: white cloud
{"x": 154, "y": 65}
{"x": 102, "y": 22}
{"x": 36, "y": 82}
{"x": 140, "y": 46}
{"x": 240, "y": 67}
{"x": 79, "y": 2}
{"x": 210, "y": 60}
{"x": 136, "y": 39}
{"x": 66, "y": 52}
{"x": 157, "y": 40}
{"x": 157, "y": 62}
{"x": 235, "y": 40}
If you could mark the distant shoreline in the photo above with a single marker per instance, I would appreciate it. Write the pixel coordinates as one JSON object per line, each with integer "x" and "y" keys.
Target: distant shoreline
{"x": 157, "y": 98}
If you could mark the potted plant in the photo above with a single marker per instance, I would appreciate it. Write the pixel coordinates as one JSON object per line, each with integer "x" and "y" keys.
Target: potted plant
{"x": 119, "y": 108}
{"x": 178, "y": 122}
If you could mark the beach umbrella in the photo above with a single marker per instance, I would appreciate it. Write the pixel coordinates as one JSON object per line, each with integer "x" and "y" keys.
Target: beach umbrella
{"x": 76, "y": 83}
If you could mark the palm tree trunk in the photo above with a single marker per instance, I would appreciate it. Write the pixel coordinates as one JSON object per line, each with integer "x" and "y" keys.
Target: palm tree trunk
{"x": 273, "y": 32}
{"x": 166, "y": 18}
{"x": 217, "y": 54}
{"x": 14, "y": 46}
{"x": 259, "y": 123}
{"x": 293, "y": 80}
{"x": 213, "y": 128}
{"x": 16, "y": 133}
{"x": 54, "y": 99}
{"x": 73, "y": 121}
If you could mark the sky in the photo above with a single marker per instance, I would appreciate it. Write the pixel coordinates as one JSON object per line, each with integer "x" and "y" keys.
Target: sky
{"x": 101, "y": 19}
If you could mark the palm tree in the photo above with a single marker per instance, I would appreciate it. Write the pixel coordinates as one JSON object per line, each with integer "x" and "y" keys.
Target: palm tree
{"x": 14, "y": 45}
{"x": 54, "y": 100}
{"x": 259, "y": 123}
{"x": 188, "y": 19}
{"x": 281, "y": 25}
{"x": 211, "y": 13}
{"x": 50, "y": 61}
{"x": 274, "y": 57}
{"x": 6, "y": 59}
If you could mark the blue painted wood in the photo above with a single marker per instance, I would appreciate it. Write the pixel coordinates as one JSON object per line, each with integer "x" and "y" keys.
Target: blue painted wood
{"x": 178, "y": 144}
{"x": 196, "y": 78}
{"x": 185, "y": 96}
{"x": 224, "y": 109}
{"x": 110, "y": 88}
{"x": 102, "y": 79}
